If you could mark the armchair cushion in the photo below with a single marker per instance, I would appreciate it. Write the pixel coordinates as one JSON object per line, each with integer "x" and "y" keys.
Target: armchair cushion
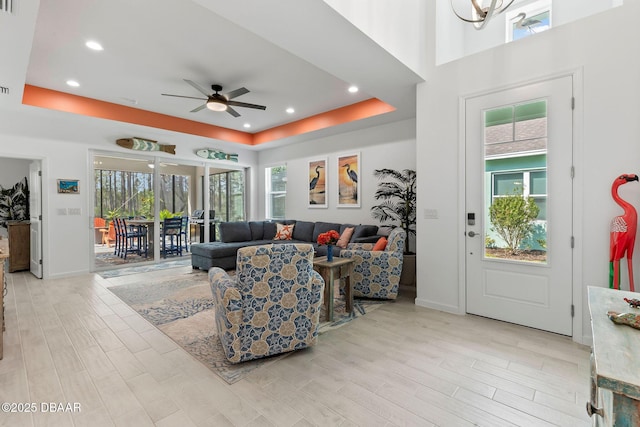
{"x": 237, "y": 231}
{"x": 364, "y": 231}
{"x": 273, "y": 304}
{"x": 345, "y": 237}
{"x": 284, "y": 231}
{"x": 257, "y": 230}
{"x": 380, "y": 244}
{"x": 323, "y": 227}
{"x": 304, "y": 231}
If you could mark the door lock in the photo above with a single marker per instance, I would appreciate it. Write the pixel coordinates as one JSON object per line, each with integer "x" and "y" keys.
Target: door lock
{"x": 472, "y": 234}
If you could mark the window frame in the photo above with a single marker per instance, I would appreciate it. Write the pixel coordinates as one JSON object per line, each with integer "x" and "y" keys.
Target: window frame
{"x": 270, "y": 193}
{"x": 531, "y": 9}
{"x": 526, "y": 185}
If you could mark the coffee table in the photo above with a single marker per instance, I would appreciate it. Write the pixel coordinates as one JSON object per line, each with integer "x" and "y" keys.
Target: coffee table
{"x": 339, "y": 268}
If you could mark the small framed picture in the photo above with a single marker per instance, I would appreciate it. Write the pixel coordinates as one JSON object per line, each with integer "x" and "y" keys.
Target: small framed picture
{"x": 348, "y": 182}
{"x": 68, "y": 186}
{"x": 318, "y": 183}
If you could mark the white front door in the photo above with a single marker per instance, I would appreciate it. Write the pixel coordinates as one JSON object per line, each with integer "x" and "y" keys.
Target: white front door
{"x": 519, "y": 194}
{"x": 35, "y": 217}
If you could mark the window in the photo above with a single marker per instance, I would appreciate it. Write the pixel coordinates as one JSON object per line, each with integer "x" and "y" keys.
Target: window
{"x": 276, "y": 191}
{"x": 528, "y": 20}
{"x": 226, "y": 191}
{"x": 515, "y": 138}
{"x": 528, "y": 183}
{"x": 123, "y": 193}
{"x": 174, "y": 193}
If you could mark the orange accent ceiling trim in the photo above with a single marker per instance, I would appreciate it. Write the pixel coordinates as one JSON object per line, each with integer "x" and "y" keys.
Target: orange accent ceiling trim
{"x": 54, "y": 100}
{"x": 350, "y": 113}
{"x": 60, "y": 101}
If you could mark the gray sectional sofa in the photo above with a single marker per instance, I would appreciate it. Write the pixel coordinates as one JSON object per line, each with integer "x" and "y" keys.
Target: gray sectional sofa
{"x": 235, "y": 235}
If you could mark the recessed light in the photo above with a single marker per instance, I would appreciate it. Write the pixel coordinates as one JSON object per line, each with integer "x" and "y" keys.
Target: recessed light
{"x": 353, "y": 89}
{"x": 246, "y": 125}
{"x": 290, "y": 110}
{"x": 73, "y": 83}
{"x": 93, "y": 45}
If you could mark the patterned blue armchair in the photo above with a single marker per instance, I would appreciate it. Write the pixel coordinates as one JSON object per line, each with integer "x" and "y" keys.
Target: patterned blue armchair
{"x": 376, "y": 274}
{"x": 273, "y": 303}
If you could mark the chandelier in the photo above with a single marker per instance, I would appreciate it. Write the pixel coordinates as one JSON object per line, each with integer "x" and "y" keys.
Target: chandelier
{"x": 480, "y": 16}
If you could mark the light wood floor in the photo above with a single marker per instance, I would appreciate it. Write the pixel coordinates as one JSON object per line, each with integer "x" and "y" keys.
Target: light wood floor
{"x": 71, "y": 340}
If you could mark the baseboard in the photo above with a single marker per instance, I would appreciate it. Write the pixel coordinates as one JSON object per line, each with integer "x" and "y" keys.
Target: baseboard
{"x": 587, "y": 340}
{"x": 454, "y": 309}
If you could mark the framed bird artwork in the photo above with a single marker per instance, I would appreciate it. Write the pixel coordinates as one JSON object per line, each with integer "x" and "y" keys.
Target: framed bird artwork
{"x": 348, "y": 169}
{"x": 318, "y": 183}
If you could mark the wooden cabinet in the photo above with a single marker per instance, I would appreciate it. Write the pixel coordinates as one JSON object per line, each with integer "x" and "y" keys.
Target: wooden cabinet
{"x": 19, "y": 242}
{"x": 615, "y": 361}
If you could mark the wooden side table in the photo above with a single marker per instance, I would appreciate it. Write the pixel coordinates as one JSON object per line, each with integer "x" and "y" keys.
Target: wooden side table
{"x": 615, "y": 366}
{"x": 339, "y": 268}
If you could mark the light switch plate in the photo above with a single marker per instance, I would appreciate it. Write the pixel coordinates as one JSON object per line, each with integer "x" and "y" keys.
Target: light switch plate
{"x": 430, "y": 214}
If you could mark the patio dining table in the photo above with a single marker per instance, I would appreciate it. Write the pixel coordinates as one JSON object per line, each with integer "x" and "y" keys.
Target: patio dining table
{"x": 149, "y": 223}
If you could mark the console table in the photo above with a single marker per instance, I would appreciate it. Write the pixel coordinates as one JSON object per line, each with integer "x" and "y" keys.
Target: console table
{"x": 339, "y": 268}
{"x": 4, "y": 254}
{"x": 615, "y": 361}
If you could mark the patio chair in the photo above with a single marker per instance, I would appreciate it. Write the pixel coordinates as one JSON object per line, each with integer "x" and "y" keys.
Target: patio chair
{"x": 376, "y": 274}
{"x": 119, "y": 236}
{"x": 130, "y": 239}
{"x": 184, "y": 233}
{"x": 100, "y": 227}
{"x": 171, "y": 229}
{"x": 273, "y": 303}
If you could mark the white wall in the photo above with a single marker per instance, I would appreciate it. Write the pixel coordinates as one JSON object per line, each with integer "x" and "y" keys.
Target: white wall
{"x": 602, "y": 49}
{"x": 396, "y": 25}
{"x": 67, "y": 238}
{"x": 450, "y": 27}
{"x": 388, "y": 146}
{"x": 12, "y": 171}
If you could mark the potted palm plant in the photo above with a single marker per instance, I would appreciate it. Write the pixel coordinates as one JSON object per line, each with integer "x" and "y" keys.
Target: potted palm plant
{"x": 398, "y": 209}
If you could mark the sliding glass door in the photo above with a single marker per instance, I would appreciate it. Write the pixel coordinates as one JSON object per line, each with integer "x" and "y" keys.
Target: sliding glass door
{"x": 145, "y": 191}
{"x": 226, "y": 195}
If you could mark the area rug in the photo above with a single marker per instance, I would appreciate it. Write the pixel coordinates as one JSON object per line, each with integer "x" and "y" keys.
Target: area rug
{"x": 181, "y": 306}
{"x": 146, "y": 268}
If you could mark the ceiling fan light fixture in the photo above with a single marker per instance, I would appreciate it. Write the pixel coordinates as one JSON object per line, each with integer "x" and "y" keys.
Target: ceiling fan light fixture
{"x": 483, "y": 11}
{"x": 215, "y": 105}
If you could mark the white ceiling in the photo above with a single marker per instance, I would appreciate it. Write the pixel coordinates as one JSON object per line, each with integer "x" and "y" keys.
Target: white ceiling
{"x": 288, "y": 53}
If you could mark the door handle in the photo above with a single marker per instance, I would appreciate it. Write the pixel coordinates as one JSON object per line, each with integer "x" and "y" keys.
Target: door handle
{"x": 472, "y": 234}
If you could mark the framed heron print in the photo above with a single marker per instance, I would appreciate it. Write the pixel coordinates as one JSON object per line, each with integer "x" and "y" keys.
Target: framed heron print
{"x": 348, "y": 181}
{"x": 318, "y": 183}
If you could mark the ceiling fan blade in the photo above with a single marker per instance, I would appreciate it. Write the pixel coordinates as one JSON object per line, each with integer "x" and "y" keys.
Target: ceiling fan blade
{"x": 233, "y": 112}
{"x": 198, "y": 87}
{"x": 181, "y": 96}
{"x": 245, "y": 105}
{"x": 236, "y": 93}
{"x": 202, "y": 107}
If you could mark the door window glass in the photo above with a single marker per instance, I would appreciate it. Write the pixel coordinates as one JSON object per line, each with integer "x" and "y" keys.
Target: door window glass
{"x": 515, "y": 139}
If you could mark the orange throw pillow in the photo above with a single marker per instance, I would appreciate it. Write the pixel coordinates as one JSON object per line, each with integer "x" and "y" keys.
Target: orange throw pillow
{"x": 380, "y": 244}
{"x": 343, "y": 241}
{"x": 285, "y": 232}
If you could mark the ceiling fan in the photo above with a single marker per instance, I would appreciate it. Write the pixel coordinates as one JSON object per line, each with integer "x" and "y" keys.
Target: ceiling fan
{"x": 219, "y": 102}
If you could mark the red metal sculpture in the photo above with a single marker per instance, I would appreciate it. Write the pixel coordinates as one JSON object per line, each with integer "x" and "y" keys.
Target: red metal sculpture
{"x": 623, "y": 234}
